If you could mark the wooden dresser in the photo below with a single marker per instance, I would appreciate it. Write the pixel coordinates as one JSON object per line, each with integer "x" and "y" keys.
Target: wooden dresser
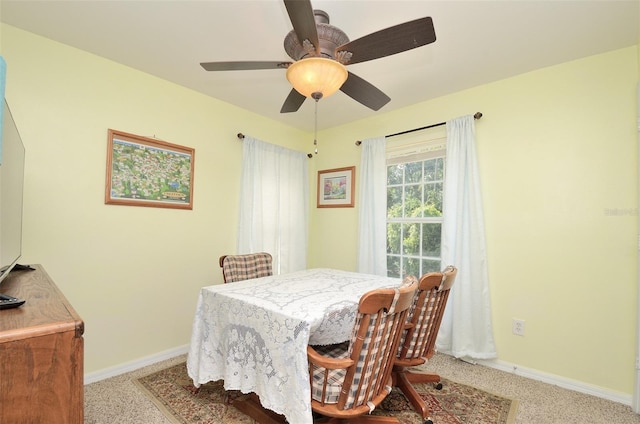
{"x": 41, "y": 353}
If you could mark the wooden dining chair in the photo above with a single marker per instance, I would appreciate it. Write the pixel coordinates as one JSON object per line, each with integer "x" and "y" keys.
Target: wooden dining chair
{"x": 350, "y": 379}
{"x": 417, "y": 343}
{"x": 244, "y": 267}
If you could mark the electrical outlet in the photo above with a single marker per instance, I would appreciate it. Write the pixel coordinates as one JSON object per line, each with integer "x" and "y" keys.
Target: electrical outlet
{"x": 517, "y": 327}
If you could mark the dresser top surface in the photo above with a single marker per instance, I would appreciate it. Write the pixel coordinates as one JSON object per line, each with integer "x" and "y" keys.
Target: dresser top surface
{"x": 45, "y": 311}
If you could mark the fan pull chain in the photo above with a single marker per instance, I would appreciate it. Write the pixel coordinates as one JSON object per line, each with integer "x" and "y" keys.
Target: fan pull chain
{"x": 315, "y": 130}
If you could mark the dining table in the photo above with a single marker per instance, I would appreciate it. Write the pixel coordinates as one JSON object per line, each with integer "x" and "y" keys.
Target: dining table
{"x": 253, "y": 334}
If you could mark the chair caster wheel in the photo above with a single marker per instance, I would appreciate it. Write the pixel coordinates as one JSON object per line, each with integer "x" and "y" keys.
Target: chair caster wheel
{"x": 437, "y": 386}
{"x": 428, "y": 421}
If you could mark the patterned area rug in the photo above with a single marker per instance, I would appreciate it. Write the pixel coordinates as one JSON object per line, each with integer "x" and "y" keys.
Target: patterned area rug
{"x": 172, "y": 391}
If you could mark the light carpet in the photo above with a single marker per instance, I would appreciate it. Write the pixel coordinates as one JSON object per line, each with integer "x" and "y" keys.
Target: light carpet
{"x": 173, "y": 393}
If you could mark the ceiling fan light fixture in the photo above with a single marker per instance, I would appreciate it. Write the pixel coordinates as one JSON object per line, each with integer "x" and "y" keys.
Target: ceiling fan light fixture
{"x": 314, "y": 75}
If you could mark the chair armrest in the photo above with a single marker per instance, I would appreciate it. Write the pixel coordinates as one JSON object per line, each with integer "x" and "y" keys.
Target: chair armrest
{"x": 327, "y": 362}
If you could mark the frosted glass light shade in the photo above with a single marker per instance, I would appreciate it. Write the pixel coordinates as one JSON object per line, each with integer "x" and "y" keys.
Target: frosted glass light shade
{"x": 317, "y": 75}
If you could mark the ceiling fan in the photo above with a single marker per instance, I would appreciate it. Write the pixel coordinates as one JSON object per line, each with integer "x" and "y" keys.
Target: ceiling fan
{"x": 313, "y": 37}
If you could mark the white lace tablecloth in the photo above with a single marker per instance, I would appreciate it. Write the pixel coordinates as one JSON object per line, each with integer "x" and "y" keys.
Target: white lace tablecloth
{"x": 253, "y": 334}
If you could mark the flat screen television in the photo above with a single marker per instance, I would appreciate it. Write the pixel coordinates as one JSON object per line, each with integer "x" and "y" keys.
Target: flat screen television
{"x": 11, "y": 188}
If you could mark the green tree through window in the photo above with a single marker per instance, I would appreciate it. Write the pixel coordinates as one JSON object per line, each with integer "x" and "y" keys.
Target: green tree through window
{"x": 414, "y": 217}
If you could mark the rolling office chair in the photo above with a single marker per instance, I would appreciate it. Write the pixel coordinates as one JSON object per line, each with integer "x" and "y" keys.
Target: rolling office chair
{"x": 350, "y": 379}
{"x": 417, "y": 343}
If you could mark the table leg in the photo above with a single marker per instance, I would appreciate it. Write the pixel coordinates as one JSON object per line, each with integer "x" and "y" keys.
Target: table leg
{"x": 251, "y": 406}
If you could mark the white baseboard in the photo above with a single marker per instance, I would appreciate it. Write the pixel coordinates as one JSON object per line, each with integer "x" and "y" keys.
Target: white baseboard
{"x": 556, "y": 380}
{"x": 134, "y": 365}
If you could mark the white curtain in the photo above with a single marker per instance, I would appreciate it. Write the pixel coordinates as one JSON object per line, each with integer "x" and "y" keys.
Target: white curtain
{"x": 372, "y": 209}
{"x": 466, "y": 329}
{"x": 274, "y": 204}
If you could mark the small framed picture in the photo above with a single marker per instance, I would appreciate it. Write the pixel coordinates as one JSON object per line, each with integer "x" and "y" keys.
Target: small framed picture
{"x": 144, "y": 171}
{"x": 336, "y": 187}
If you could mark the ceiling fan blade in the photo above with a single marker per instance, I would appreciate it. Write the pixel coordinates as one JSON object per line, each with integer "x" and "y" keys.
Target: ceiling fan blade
{"x": 244, "y": 66}
{"x": 293, "y": 102}
{"x": 364, "y": 92}
{"x": 386, "y": 42}
{"x": 304, "y": 24}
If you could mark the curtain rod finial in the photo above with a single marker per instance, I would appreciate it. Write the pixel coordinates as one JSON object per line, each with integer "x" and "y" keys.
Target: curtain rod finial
{"x": 240, "y": 136}
{"x": 478, "y": 115}
{"x": 358, "y": 143}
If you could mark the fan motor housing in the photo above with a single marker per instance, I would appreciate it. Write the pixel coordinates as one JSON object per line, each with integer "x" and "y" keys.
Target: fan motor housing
{"x": 329, "y": 37}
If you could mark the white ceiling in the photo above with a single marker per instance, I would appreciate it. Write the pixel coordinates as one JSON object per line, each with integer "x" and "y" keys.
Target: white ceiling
{"x": 477, "y": 42}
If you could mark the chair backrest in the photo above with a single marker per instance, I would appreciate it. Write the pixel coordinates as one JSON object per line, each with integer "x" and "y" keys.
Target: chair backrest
{"x": 244, "y": 267}
{"x": 424, "y": 317}
{"x": 364, "y": 380}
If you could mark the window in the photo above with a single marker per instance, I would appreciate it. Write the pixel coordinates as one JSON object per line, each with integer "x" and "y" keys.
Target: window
{"x": 414, "y": 210}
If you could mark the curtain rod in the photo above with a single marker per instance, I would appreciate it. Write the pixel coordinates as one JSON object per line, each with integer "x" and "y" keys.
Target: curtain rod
{"x": 241, "y": 136}
{"x": 477, "y": 115}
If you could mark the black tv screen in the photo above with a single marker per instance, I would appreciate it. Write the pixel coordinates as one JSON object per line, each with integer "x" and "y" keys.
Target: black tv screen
{"x": 11, "y": 187}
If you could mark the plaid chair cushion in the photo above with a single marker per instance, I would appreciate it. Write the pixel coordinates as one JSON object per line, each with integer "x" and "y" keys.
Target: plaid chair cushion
{"x": 417, "y": 336}
{"x": 335, "y": 377}
{"x": 410, "y": 314}
{"x": 420, "y": 333}
{"x": 244, "y": 267}
{"x": 372, "y": 345}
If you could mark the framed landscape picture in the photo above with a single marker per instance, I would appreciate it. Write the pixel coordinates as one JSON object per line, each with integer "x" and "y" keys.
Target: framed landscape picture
{"x": 336, "y": 187}
{"x": 143, "y": 171}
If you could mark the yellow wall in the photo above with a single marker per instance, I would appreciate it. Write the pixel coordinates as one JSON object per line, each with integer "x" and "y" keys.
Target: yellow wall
{"x": 558, "y": 164}
{"x": 132, "y": 273}
{"x": 558, "y": 160}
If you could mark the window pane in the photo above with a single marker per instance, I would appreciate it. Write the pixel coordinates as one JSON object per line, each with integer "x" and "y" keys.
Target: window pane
{"x": 393, "y": 266}
{"x": 433, "y": 199}
{"x": 439, "y": 176}
{"x": 413, "y": 172}
{"x": 431, "y": 235}
{"x": 430, "y": 265}
{"x": 411, "y": 266}
{"x": 413, "y": 201}
{"x": 411, "y": 239}
{"x": 394, "y": 202}
{"x": 430, "y": 173}
{"x": 394, "y": 174}
{"x": 393, "y": 238}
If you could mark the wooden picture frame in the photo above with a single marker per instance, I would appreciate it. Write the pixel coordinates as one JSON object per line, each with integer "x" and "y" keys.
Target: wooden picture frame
{"x": 143, "y": 171}
{"x": 336, "y": 187}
